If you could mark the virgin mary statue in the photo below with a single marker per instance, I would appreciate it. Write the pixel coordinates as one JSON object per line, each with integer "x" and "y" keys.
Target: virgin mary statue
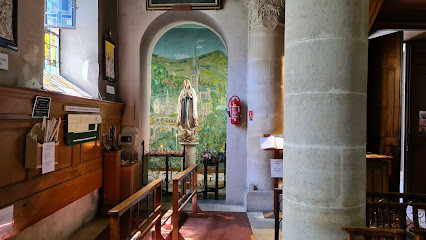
{"x": 187, "y": 117}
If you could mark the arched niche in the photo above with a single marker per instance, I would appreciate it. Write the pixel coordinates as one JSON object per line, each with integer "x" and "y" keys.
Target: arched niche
{"x": 237, "y": 57}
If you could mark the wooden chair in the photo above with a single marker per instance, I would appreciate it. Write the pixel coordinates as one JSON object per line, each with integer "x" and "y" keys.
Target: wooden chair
{"x": 419, "y": 233}
{"x": 386, "y": 215}
{"x": 375, "y": 233}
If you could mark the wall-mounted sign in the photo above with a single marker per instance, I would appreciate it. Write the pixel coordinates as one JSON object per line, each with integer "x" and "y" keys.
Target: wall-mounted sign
{"x": 81, "y": 109}
{"x": 250, "y": 115}
{"x": 110, "y": 89}
{"x": 41, "y": 107}
{"x": 422, "y": 121}
{"x": 82, "y": 128}
{"x": 276, "y": 168}
{"x": 4, "y": 61}
{"x": 195, "y": 4}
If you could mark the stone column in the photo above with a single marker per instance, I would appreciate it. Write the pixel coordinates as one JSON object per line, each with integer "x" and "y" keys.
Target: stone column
{"x": 190, "y": 153}
{"x": 264, "y": 95}
{"x": 324, "y": 117}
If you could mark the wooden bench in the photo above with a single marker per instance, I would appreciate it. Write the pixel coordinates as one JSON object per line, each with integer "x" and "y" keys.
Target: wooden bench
{"x": 187, "y": 182}
{"x": 137, "y": 226}
{"x": 375, "y": 233}
{"x": 395, "y": 197}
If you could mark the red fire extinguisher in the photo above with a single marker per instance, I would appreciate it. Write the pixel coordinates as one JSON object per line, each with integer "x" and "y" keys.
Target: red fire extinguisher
{"x": 234, "y": 106}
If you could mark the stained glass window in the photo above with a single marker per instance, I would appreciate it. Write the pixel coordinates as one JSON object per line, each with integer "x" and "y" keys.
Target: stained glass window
{"x": 51, "y": 50}
{"x": 60, "y": 13}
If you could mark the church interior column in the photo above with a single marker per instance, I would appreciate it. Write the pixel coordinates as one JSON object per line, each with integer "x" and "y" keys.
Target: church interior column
{"x": 264, "y": 96}
{"x": 326, "y": 46}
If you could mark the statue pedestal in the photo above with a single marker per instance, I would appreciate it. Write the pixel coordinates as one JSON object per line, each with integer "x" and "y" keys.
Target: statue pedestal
{"x": 190, "y": 153}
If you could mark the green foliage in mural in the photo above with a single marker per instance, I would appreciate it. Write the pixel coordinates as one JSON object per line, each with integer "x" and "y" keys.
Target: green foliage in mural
{"x": 167, "y": 81}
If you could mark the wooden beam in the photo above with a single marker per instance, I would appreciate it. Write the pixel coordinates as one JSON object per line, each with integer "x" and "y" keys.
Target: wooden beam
{"x": 375, "y": 6}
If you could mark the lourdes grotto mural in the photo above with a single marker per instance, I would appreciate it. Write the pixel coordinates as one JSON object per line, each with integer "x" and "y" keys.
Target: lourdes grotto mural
{"x": 188, "y": 61}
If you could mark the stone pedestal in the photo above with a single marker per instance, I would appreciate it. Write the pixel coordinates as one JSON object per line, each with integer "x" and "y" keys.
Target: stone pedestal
{"x": 190, "y": 153}
{"x": 324, "y": 184}
{"x": 265, "y": 95}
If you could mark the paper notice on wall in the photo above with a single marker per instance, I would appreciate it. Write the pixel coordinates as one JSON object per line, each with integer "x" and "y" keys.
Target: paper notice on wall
{"x": 6, "y": 220}
{"x": 82, "y": 118}
{"x": 48, "y": 158}
{"x": 276, "y": 168}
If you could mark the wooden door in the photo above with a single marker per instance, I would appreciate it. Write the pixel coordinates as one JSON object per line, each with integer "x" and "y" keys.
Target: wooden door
{"x": 384, "y": 101}
{"x": 416, "y": 102}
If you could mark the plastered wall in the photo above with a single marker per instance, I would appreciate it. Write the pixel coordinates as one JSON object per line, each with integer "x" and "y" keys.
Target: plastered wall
{"x": 26, "y": 64}
{"x": 139, "y": 30}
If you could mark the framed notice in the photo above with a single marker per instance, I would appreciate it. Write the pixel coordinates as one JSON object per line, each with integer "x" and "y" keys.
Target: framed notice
{"x": 422, "y": 121}
{"x": 108, "y": 61}
{"x": 195, "y": 4}
{"x": 9, "y": 24}
{"x": 41, "y": 107}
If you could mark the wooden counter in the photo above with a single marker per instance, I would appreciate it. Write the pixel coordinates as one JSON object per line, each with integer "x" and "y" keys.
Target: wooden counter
{"x": 378, "y": 171}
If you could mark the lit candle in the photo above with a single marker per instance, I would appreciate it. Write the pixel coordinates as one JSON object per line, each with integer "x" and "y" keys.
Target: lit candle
{"x": 176, "y": 140}
{"x": 161, "y": 147}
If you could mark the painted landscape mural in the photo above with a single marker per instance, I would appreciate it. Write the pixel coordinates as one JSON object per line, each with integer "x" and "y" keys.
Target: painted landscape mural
{"x": 195, "y": 53}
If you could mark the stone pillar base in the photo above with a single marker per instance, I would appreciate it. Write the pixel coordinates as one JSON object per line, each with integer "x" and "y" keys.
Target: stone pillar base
{"x": 259, "y": 201}
{"x": 190, "y": 153}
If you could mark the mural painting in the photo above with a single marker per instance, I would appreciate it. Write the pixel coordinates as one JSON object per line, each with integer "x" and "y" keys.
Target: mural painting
{"x": 194, "y": 53}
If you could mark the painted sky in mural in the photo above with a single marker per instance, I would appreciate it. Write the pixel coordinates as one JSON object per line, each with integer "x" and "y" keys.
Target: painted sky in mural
{"x": 179, "y": 42}
{"x": 173, "y": 61}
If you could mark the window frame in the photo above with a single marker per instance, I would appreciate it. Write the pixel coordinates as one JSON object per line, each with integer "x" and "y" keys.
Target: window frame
{"x": 47, "y": 30}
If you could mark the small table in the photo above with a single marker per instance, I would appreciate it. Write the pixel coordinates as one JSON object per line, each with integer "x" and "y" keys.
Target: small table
{"x": 168, "y": 154}
{"x": 212, "y": 161}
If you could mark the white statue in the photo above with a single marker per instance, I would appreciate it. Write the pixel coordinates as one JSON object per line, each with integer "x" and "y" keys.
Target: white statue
{"x": 187, "y": 117}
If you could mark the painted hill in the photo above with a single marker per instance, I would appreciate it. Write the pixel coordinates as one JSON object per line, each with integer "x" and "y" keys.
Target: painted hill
{"x": 170, "y": 73}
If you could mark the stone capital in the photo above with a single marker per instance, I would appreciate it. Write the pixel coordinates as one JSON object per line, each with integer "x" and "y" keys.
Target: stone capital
{"x": 268, "y": 13}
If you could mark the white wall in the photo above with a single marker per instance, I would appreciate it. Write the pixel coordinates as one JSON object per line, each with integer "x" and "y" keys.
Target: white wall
{"x": 140, "y": 30}
{"x": 80, "y": 45}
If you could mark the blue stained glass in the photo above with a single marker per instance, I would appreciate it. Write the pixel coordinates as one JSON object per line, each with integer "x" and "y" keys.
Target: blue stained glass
{"x": 60, "y": 13}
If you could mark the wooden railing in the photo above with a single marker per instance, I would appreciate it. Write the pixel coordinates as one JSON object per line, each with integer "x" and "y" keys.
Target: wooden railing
{"x": 139, "y": 219}
{"x": 187, "y": 182}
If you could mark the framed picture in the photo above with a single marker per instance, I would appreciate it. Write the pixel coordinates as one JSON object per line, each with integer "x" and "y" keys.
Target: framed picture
{"x": 195, "y": 4}
{"x": 108, "y": 61}
{"x": 422, "y": 121}
{"x": 9, "y": 24}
